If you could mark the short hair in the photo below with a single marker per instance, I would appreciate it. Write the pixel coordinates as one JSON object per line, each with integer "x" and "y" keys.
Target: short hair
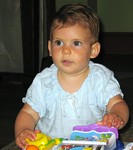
{"x": 72, "y": 14}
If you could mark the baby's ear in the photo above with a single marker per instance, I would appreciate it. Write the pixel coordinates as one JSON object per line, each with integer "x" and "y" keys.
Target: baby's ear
{"x": 49, "y": 48}
{"x": 95, "y": 49}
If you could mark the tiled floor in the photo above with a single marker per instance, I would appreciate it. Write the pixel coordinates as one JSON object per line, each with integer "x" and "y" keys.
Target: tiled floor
{"x": 12, "y": 92}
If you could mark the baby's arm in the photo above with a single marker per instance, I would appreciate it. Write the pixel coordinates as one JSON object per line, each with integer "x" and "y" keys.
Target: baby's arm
{"x": 117, "y": 113}
{"x": 24, "y": 125}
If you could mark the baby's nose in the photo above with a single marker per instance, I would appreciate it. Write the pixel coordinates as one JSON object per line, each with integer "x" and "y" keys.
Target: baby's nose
{"x": 66, "y": 49}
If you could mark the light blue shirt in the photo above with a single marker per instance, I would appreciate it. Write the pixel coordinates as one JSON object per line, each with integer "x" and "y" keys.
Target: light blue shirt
{"x": 60, "y": 111}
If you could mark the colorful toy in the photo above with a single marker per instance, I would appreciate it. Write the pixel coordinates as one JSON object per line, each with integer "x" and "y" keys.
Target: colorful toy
{"x": 91, "y": 137}
{"x": 98, "y": 128}
{"x": 43, "y": 142}
{"x": 87, "y": 137}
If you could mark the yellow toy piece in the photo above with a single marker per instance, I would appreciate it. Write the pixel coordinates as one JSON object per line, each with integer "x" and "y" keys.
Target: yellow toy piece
{"x": 41, "y": 139}
{"x": 88, "y": 148}
{"x": 44, "y": 142}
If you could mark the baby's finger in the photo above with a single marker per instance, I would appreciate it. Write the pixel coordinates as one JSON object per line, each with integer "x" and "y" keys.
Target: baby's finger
{"x": 37, "y": 131}
{"x": 29, "y": 134}
{"x": 21, "y": 142}
{"x": 104, "y": 121}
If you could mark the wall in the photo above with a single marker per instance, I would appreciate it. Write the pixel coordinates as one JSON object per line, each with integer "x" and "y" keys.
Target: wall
{"x": 116, "y": 15}
{"x": 117, "y": 25}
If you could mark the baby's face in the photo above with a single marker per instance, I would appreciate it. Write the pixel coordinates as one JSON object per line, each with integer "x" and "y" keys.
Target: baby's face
{"x": 70, "y": 48}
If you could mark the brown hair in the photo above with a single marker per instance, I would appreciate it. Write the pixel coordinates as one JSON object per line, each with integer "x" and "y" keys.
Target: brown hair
{"x": 72, "y": 14}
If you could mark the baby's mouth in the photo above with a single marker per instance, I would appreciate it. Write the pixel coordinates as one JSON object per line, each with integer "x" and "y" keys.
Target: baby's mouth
{"x": 67, "y": 62}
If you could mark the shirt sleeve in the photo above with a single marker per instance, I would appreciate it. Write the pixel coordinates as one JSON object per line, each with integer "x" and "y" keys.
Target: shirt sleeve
{"x": 34, "y": 97}
{"x": 37, "y": 95}
{"x": 106, "y": 85}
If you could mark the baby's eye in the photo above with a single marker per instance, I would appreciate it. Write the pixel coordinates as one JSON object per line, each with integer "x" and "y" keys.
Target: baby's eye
{"x": 77, "y": 43}
{"x": 58, "y": 42}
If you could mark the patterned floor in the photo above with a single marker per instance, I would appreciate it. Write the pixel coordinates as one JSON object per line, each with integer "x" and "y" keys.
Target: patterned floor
{"x": 126, "y": 134}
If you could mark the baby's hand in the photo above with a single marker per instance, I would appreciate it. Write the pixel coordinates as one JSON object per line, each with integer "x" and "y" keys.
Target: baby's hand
{"x": 22, "y": 136}
{"x": 111, "y": 120}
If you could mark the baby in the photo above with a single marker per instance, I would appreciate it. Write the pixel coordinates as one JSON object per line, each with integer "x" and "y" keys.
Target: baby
{"x": 73, "y": 90}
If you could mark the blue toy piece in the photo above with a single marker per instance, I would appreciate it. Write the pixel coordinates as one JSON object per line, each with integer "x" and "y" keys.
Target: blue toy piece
{"x": 119, "y": 145}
